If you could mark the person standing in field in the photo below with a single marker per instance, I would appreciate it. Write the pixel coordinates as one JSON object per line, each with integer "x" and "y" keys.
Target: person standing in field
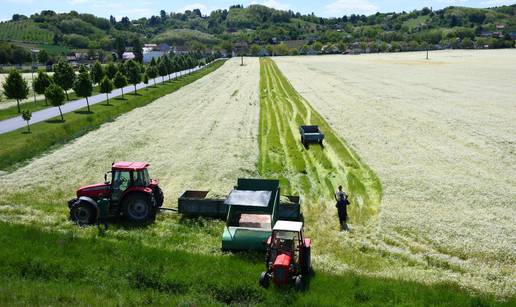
{"x": 342, "y": 207}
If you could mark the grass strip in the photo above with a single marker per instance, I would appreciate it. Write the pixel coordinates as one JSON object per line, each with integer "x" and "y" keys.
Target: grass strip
{"x": 60, "y": 269}
{"x": 316, "y": 171}
{"x": 18, "y": 146}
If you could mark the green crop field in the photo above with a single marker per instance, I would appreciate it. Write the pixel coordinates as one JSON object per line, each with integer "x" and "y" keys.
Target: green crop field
{"x": 24, "y": 31}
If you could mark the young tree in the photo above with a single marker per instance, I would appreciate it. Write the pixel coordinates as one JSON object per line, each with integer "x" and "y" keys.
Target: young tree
{"x": 83, "y": 87}
{"x": 162, "y": 70}
{"x": 42, "y": 56}
{"x": 27, "y": 115}
{"x": 152, "y": 73}
{"x": 120, "y": 47}
{"x": 145, "y": 79}
{"x": 133, "y": 73}
{"x": 41, "y": 82}
{"x": 106, "y": 86}
{"x": 138, "y": 50}
{"x": 55, "y": 94}
{"x": 97, "y": 72}
{"x": 64, "y": 76}
{"x": 15, "y": 87}
{"x": 111, "y": 70}
{"x": 120, "y": 81}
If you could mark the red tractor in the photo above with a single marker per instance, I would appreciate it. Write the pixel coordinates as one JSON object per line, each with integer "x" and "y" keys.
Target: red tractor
{"x": 288, "y": 256}
{"x": 131, "y": 194}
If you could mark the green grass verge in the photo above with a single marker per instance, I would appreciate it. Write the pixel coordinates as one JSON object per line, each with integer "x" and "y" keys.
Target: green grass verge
{"x": 61, "y": 268}
{"x": 314, "y": 172}
{"x": 18, "y": 146}
{"x": 37, "y": 106}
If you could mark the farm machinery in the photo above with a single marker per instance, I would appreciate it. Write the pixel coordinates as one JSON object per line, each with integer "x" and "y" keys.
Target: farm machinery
{"x": 288, "y": 258}
{"x": 311, "y": 134}
{"x": 131, "y": 193}
{"x": 251, "y": 210}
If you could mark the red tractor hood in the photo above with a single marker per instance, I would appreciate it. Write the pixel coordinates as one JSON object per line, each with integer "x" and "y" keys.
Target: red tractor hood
{"x": 94, "y": 190}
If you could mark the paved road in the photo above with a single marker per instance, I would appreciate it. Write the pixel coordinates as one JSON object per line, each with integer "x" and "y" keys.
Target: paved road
{"x": 42, "y": 115}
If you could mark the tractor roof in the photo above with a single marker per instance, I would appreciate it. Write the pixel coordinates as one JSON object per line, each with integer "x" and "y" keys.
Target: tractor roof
{"x": 129, "y": 166}
{"x": 288, "y": 226}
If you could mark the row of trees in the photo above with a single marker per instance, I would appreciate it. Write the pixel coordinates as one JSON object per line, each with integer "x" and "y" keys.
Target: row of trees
{"x": 56, "y": 88}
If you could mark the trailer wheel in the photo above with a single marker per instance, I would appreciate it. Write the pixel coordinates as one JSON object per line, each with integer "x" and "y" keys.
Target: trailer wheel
{"x": 299, "y": 283}
{"x": 264, "y": 280}
{"x": 83, "y": 213}
{"x": 138, "y": 208}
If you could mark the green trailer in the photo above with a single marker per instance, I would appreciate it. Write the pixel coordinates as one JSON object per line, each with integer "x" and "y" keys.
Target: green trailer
{"x": 251, "y": 209}
{"x": 252, "y": 212}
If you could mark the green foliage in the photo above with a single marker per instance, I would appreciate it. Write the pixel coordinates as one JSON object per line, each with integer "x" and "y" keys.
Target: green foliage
{"x": 55, "y": 95}
{"x": 120, "y": 81}
{"x": 83, "y": 86}
{"x": 41, "y": 82}
{"x": 64, "y": 76}
{"x": 24, "y": 31}
{"x": 106, "y": 85}
{"x": 111, "y": 70}
{"x": 97, "y": 72}
{"x": 145, "y": 79}
{"x": 26, "y": 115}
{"x": 15, "y": 87}
{"x": 138, "y": 50}
{"x": 133, "y": 73}
{"x": 43, "y": 56}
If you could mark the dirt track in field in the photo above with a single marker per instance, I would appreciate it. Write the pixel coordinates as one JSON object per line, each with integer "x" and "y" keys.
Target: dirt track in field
{"x": 441, "y": 135}
{"x": 203, "y": 136}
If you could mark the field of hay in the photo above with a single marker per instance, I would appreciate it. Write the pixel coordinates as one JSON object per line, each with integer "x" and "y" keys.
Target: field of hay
{"x": 441, "y": 135}
{"x": 179, "y": 135}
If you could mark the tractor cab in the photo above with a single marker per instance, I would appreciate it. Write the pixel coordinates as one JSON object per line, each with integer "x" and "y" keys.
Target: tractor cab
{"x": 131, "y": 193}
{"x": 288, "y": 255}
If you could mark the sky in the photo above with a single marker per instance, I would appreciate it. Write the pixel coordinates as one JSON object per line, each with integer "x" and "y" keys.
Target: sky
{"x": 145, "y": 8}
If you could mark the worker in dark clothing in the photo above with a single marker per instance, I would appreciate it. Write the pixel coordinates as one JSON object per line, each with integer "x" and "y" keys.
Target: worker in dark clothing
{"x": 342, "y": 207}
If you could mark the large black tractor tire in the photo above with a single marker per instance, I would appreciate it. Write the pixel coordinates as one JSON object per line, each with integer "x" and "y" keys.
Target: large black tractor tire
{"x": 139, "y": 208}
{"x": 264, "y": 280}
{"x": 299, "y": 283}
{"x": 158, "y": 196}
{"x": 83, "y": 213}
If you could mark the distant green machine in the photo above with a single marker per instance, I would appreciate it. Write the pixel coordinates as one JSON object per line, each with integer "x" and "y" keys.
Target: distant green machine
{"x": 251, "y": 210}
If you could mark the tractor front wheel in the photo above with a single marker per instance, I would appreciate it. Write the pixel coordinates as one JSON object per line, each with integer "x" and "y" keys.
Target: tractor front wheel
{"x": 264, "y": 280}
{"x": 299, "y": 283}
{"x": 138, "y": 208}
{"x": 83, "y": 213}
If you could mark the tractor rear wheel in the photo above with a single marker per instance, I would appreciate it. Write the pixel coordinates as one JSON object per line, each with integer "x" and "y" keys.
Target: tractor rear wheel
{"x": 299, "y": 283}
{"x": 264, "y": 280}
{"x": 83, "y": 213}
{"x": 138, "y": 208}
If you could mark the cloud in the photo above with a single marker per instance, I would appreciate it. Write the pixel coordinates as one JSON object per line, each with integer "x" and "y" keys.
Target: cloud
{"x": 348, "y": 7}
{"x": 273, "y": 4}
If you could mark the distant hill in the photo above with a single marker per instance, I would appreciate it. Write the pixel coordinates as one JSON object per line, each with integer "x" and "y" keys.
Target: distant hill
{"x": 452, "y": 27}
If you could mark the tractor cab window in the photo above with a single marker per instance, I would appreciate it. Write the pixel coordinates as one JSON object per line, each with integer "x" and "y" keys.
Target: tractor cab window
{"x": 286, "y": 240}
{"x": 141, "y": 178}
{"x": 121, "y": 181}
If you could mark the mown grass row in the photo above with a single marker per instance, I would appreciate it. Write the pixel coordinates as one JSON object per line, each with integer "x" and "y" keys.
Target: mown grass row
{"x": 56, "y": 268}
{"x": 18, "y": 146}
{"x": 314, "y": 172}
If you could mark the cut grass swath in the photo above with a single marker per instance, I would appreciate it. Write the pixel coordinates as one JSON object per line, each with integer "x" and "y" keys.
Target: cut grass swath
{"x": 314, "y": 172}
